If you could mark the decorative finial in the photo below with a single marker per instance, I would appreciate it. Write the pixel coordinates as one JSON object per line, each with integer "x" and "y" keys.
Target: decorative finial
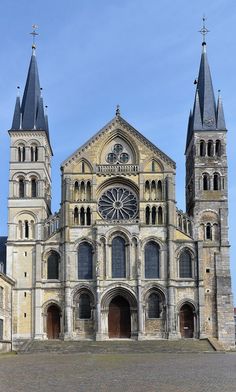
{"x": 33, "y": 33}
{"x": 117, "y": 110}
{"x": 18, "y": 91}
{"x": 204, "y": 30}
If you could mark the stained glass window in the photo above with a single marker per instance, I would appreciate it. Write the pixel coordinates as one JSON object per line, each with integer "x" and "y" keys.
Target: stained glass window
{"x": 118, "y": 258}
{"x": 85, "y": 261}
{"x": 151, "y": 260}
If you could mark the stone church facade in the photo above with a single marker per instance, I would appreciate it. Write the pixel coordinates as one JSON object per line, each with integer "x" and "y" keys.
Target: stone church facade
{"x": 119, "y": 260}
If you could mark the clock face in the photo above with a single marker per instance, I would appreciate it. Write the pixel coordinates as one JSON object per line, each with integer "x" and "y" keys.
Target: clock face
{"x": 118, "y": 203}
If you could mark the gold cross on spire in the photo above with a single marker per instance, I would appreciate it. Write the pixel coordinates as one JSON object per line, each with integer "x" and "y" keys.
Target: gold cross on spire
{"x": 34, "y": 34}
{"x": 204, "y": 30}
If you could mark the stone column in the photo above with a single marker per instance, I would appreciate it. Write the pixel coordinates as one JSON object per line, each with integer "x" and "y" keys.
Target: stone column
{"x": 68, "y": 314}
{"x": 37, "y": 300}
{"x": 139, "y": 290}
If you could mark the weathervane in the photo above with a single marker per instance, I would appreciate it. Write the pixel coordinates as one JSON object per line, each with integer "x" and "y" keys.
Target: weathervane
{"x": 34, "y": 33}
{"x": 204, "y": 30}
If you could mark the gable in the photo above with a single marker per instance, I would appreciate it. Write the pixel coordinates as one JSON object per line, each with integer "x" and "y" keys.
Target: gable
{"x": 136, "y": 149}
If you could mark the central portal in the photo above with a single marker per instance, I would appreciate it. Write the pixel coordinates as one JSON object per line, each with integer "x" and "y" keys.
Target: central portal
{"x": 119, "y": 325}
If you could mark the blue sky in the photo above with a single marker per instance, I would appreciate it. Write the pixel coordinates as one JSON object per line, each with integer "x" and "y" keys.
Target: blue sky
{"x": 142, "y": 54}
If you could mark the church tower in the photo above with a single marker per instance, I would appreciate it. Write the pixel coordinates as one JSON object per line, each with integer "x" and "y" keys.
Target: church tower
{"x": 207, "y": 203}
{"x": 29, "y": 197}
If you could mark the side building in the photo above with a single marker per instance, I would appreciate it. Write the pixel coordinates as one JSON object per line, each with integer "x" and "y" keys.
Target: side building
{"x": 6, "y": 285}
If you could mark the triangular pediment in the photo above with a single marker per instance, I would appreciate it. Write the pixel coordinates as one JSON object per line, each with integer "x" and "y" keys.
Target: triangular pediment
{"x": 115, "y": 129}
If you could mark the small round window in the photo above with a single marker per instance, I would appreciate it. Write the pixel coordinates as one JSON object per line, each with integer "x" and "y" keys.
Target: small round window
{"x": 117, "y": 155}
{"x": 111, "y": 157}
{"x": 124, "y": 157}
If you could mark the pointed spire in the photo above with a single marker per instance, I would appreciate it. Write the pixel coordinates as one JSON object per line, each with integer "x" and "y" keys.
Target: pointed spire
{"x": 190, "y": 129}
{"x": 40, "y": 117}
{"x": 16, "y": 122}
{"x": 29, "y": 115}
{"x": 197, "y": 118}
{"x": 206, "y": 93}
{"x": 29, "y": 107}
{"x": 220, "y": 113}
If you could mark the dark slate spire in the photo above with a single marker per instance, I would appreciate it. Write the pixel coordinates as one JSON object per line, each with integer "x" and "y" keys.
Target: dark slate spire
{"x": 220, "y": 118}
{"x": 16, "y": 122}
{"x": 206, "y": 93}
{"x": 31, "y": 114}
{"x": 206, "y": 116}
{"x": 197, "y": 118}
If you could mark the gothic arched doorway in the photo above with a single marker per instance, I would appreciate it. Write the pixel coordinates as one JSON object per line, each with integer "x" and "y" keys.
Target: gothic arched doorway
{"x": 119, "y": 323}
{"x": 53, "y": 322}
{"x": 186, "y": 321}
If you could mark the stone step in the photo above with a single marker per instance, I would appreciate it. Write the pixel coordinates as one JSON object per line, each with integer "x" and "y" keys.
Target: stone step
{"x": 117, "y": 346}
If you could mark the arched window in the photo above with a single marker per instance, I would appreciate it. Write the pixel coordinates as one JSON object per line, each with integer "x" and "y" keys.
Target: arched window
{"x": 26, "y": 229}
{"x": 154, "y": 306}
{"x": 185, "y": 264}
{"x": 153, "y": 166}
{"x": 216, "y": 182}
{"x": 88, "y": 216}
{"x": 202, "y": 148}
{"x": 147, "y": 190}
{"x": 152, "y": 260}
{"x": 34, "y": 153}
{"x": 53, "y": 266}
{"x": 76, "y": 191}
{"x": 82, "y": 191}
{"x": 154, "y": 214}
{"x": 208, "y": 232}
{"x": 206, "y": 182}
{"x": 218, "y": 148}
{"x": 153, "y": 190}
{"x": 76, "y": 216}
{"x": 82, "y": 216}
{"x": 118, "y": 258}
{"x": 88, "y": 193}
{"x": 159, "y": 190}
{"x": 210, "y": 148}
{"x": 160, "y": 216}
{"x": 82, "y": 167}
{"x": 33, "y": 188}
{"x": 21, "y": 187}
{"x": 85, "y": 261}
{"x": 84, "y": 307}
{"x": 21, "y": 153}
{"x": 147, "y": 215}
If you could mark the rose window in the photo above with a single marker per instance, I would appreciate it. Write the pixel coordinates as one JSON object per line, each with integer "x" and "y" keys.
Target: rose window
{"x": 118, "y": 203}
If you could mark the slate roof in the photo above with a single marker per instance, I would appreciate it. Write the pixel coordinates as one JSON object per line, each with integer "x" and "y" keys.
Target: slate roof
{"x": 29, "y": 114}
{"x": 3, "y": 241}
{"x": 206, "y": 115}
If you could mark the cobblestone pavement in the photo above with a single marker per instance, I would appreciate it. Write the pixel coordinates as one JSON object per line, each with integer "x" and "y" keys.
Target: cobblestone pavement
{"x": 159, "y": 372}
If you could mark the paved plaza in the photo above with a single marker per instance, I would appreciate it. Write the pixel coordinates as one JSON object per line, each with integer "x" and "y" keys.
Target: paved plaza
{"x": 107, "y": 372}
